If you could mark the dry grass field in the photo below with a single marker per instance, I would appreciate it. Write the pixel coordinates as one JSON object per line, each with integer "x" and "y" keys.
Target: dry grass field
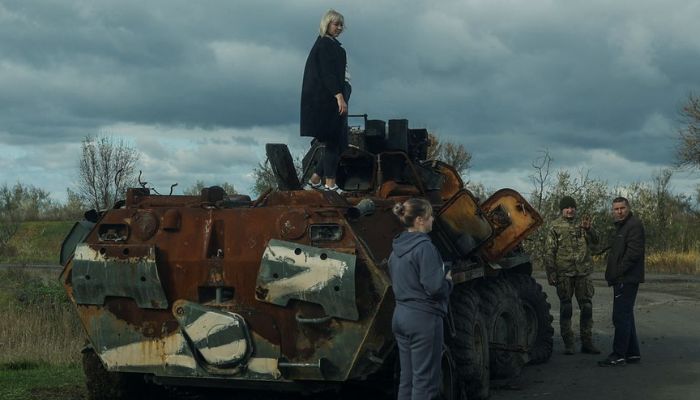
{"x": 40, "y": 338}
{"x": 669, "y": 262}
{"x": 39, "y": 323}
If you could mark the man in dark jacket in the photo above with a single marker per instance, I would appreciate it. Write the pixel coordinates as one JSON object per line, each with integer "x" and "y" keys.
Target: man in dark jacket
{"x": 624, "y": 272}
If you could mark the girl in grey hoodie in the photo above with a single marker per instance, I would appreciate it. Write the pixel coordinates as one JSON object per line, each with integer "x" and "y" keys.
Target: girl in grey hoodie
{"x": 422, "y": 289}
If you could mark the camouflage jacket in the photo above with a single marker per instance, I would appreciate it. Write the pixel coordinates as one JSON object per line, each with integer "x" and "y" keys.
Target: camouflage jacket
{"x": 569, "y": 248}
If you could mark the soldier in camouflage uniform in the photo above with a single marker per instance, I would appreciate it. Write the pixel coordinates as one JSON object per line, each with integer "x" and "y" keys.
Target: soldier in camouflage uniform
{"x": 568, "y": 268}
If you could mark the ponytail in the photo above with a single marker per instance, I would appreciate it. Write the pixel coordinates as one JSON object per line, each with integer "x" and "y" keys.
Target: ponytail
{"x": 409, "y": 210}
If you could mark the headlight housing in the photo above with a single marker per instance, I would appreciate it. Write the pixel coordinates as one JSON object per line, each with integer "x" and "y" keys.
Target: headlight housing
{"x": 326, "y": 232}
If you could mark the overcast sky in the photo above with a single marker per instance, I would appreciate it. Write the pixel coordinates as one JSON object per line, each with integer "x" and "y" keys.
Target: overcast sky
{"x": 199, "y": 87}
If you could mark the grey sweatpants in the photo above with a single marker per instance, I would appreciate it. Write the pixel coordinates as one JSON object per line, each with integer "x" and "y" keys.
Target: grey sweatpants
{"x": 419, "y": 338}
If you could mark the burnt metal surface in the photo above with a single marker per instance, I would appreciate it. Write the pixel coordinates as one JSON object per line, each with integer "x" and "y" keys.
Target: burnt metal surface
{"x": 462, "y": 219}
{"x": 97, "y": 276}
{"x": 209, "y": 250}
{"x": 220, "y": 337}
{"x": 144, "y": 225}
{"x": 292, "y": 224}
{"x": 504, "y": 205}
{"x": 122, "y": 347}
{"x": 451, "y": 182}
{"x": 378, "y": 241}
{"x": 322, "y": 276}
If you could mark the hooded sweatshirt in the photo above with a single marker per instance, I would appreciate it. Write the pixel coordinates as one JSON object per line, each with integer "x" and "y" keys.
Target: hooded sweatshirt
{"x": 418, "y": 274}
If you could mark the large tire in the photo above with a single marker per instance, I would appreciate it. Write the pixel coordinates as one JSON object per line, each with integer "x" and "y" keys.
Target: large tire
{"x": 104, "y": 385}
{"x": 537, "y": 315}
{"x": 506, "y": 327}
{"x": 470, "y": 346}
{"x": 451, "y": 387}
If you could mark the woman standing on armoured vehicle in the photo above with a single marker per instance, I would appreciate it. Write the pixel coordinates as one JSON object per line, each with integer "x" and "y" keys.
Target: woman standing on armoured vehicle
{"x": 324, "y": 94}
{"x": 422, "y": 290}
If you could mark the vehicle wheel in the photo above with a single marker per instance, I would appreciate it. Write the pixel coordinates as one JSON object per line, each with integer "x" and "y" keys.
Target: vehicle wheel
{"x": 506, "y": 327}
{"x": 104, "y": 385}
{"x": 537, "y": 315}
{"x": 450, "y": 386}
{"x": 470, "y": 347}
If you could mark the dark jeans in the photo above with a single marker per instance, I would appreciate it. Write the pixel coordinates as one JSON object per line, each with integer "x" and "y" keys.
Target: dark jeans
{"x": 625, "y": 343}
{"x": 328, "y": 164}
{"x": 334, "y": 145}
{"x": 419, "y": 338}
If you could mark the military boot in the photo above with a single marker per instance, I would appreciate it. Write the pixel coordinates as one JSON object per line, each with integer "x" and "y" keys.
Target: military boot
{"x": 565, "y": 327}
{"x": 588, "y": 347}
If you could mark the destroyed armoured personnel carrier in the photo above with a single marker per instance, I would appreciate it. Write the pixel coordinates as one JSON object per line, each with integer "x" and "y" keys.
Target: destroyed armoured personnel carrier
{"x": 290, "y": 291}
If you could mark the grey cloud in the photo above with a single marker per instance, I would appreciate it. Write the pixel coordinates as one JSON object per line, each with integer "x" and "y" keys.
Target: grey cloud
{"x": 504, "y": 81}
{"x": 244, "y": 141}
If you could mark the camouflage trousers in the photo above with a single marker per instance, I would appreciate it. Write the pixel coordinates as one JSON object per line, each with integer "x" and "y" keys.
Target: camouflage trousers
{"x": 582, "y": 288}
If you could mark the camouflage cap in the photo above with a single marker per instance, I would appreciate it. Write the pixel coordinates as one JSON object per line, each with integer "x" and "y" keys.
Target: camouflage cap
{"x": 566, "y": 202}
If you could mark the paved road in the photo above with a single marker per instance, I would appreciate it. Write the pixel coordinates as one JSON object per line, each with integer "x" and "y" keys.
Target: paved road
{"x": 668, "y": 323}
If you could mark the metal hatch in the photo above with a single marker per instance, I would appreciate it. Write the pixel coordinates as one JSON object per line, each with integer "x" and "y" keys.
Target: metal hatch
{"x": 464, "y": 222}
{"x": 512, "y": 217}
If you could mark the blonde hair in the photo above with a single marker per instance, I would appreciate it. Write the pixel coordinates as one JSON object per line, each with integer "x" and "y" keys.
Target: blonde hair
{"x": 330, "y": 16}
{"x": 410, "y": 209}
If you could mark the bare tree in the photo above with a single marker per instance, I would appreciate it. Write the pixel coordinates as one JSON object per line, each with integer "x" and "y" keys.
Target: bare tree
{"x": 540, "y": 178}
{"x": 688, "y": 151}
{"x": 106, "y": 170}
{"x": 451, "y": 153}
{"x": 264, "y": 178}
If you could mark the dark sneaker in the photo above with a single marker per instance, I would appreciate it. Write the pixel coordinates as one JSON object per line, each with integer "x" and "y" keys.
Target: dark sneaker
{"x": 589, "y": 348}
{"x": 335, "y": 188}
{"x": 613, "y": 360}
{"x": 633, "y": 359}
{"x": 313, "y": 186}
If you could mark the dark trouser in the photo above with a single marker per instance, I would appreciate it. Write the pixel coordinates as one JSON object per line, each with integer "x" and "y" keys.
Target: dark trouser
{"x": 419, "y": 338}
{"x": 328, "y": 165}
{"x": 625, "y": 343}
{"x": 582, "y": 288}
{"x": 334, "y": 145}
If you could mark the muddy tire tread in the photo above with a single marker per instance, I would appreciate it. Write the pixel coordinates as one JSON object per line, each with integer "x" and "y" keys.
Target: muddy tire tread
{"x": 531, "y": 292}
{"x": 468, "y": 322}
{"x": 498, "y": 297}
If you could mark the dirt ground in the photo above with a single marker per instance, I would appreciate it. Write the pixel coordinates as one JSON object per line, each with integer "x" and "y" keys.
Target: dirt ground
{"x": 668, "y": 324}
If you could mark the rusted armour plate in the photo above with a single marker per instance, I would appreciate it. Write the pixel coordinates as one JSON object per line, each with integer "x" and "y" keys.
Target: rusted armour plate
{"x": 144, "y": 225}
{"x": 292, "y": 224}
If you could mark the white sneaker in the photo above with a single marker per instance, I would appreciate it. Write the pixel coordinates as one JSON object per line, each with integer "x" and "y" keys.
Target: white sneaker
{"x": 313, "y": 186}
{"x": 335, "y": 188}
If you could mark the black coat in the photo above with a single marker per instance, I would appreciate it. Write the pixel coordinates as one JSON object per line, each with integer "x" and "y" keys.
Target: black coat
{"x": 324, "y": 77}
{"x": 626, "y": 255}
